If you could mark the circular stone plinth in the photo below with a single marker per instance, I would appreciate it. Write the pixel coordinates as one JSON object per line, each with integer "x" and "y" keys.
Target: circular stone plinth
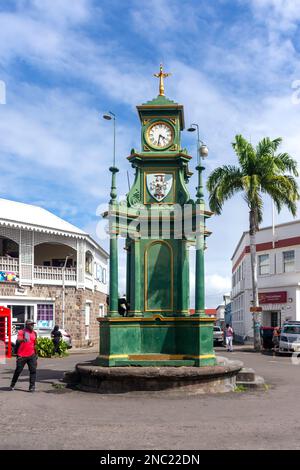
{"x": 211, "y": 379}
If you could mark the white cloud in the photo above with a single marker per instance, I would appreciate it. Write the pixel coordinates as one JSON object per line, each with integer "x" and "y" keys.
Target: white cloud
{"x": 279, "y": 14}
{"x": 61, "y": 133}
{"x": 216, "y": 284}
{"x": 60, "y": 11}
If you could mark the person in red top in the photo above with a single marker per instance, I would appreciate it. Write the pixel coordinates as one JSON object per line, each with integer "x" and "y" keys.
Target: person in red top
{"x": 26, "y": 354}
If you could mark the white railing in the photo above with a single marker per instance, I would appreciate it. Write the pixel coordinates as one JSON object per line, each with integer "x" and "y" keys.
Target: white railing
{"x": 51, "y": 273}
{"x": 9, "y": 264}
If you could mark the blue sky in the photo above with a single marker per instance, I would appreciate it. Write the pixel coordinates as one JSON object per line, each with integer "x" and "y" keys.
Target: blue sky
{"x": 233, "y": 63}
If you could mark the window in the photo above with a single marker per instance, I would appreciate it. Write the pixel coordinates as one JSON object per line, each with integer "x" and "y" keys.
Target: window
{"x": 263, "y": 264}
{"x": 45, "y": 316}
{"x": 288, "y": 261}
{"x": 99, "y": 273}
{"x": 87, "y": 320}
{"x": 104, "y": 276}
{"x": 101, "y": 310}
{"x": 89, "y": 262}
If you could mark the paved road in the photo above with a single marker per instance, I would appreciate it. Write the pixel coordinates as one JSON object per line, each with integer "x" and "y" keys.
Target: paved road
{"x": 67, "y": 419}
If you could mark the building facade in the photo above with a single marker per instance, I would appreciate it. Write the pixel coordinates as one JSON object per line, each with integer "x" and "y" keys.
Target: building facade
{"x": 278, "y": 273}
{"x": 51, "y": 272}
{"x": 220, "y": 315}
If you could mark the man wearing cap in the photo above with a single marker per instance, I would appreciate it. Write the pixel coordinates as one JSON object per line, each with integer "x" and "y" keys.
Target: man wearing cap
{"x": 26, "y": 354}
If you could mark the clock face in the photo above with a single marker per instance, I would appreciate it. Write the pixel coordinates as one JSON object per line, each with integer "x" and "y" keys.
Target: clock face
{"x": 160, "y": 135}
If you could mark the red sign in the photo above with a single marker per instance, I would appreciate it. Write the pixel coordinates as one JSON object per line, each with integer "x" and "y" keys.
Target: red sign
{"x": 273, "y": 297}
{"x": 255, "y": 309}
{"x": 5, "y": 332}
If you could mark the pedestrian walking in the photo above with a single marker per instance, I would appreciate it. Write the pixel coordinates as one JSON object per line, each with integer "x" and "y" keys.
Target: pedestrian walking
{"x": 229, "y": 337}
{"x": 275, "y": 338}
{"x": 56, "y": 337}
{"x": 26, "y": 354}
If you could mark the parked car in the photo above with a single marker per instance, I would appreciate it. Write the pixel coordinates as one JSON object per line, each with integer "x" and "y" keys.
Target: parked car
{"x": 218, "y": 335}
{"x": 46, "y": 333}
{"x": 289, "y": 340}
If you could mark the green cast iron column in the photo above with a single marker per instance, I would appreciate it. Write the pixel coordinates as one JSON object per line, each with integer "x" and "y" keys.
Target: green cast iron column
{"x": 128, "y": 271}
{"x": 135, "y": 290}
{"x": 199, "y": 281}
{"x": 113, "y": 252}
{"x": 184, "y": 278}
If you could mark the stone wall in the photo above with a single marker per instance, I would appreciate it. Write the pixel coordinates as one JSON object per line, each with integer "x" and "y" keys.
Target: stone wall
{"x": 75, "y": 302}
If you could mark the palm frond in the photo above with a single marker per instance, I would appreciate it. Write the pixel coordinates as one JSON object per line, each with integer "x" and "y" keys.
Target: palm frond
{"x": 267, "y": 147}
{"x": 284, "y": 191}
{"x": 245, "y": 153}
{"x": 285, "y": 162}
{"x": 222, "y": 184}
{"x": 260, "y": 171}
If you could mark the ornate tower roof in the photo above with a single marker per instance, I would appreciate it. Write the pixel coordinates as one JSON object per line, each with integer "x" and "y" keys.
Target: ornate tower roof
{"x": 161, "y": 104}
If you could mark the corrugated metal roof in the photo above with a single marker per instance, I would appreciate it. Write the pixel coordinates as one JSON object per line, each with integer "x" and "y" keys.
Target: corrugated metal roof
{"x": 18, "y": 214}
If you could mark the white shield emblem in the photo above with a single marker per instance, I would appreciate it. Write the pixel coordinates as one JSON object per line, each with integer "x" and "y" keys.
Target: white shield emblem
{"x": 159, "y": 185}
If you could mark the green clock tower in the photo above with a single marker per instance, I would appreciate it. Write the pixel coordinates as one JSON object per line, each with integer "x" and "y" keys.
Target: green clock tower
{"x": 159, "y": 222}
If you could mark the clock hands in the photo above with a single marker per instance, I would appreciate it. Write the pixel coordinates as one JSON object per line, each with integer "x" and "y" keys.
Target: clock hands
{"x": 161, "y": 137}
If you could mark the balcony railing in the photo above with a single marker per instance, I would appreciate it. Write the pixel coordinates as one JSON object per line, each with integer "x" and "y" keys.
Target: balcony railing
{"x": 51, "y": 273}
{"x": 9, "y": 264}
{"x": 40, "y": 273}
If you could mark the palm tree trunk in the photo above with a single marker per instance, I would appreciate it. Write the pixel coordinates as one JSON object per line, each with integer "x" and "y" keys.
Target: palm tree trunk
{"x": 256, "y": 315}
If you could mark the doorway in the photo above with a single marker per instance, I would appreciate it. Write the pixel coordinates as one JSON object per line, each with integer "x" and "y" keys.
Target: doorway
{"x": 272, "y": 318}
{"x": 20, "y": 313}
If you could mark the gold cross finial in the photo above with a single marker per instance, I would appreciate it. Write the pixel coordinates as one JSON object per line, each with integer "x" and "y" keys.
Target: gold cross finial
{"x": 161, "y": 75}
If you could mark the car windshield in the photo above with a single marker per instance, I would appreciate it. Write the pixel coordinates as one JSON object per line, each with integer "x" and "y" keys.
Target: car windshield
{"x": 217, "y": 328}
{"x": 292, "y": 329}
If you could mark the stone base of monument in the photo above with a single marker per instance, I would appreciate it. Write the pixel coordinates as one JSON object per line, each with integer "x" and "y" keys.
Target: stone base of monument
{"x": 220, "y": 378}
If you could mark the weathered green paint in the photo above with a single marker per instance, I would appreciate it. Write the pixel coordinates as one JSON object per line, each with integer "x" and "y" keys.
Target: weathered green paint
{"x": 159, "y": 283}
{"x": 159, "y": 330}
{"x": 133, "y": 341}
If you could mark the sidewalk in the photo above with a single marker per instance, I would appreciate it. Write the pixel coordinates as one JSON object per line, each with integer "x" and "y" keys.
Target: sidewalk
{"x": 91, "y": 350}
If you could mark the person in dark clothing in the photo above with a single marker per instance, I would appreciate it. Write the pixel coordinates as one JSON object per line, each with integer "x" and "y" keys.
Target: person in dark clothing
{"x": 122, "y": 307}
{"x": 56, "y": 337}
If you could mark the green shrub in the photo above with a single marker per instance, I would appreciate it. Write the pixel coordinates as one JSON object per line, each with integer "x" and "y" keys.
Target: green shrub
{"x": 45, "y": 347}
{"x": 62, "y": 348}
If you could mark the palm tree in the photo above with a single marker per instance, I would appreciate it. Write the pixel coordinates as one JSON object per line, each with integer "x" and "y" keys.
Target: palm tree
{"x": 261, "y": 171}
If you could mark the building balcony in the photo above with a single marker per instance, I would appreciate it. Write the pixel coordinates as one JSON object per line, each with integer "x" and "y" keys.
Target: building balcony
{"x": 54, "y": 275}
{"x": 9, "y": 265}
{"x": 9, "y": 268}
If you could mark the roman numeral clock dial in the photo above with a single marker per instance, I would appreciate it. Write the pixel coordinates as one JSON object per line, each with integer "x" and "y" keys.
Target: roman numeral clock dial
{"x": 159, "y": 135}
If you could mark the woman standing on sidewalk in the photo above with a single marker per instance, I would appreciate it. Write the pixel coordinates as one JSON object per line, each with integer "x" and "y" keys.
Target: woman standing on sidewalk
{"x": 229, "y": 337}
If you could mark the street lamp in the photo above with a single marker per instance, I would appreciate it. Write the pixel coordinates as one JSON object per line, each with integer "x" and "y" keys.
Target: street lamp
{"x": 108, "y": 117}
{"x": 202, "y": 150}
{"x": 113, "y": 243}
{"x": 202, "y": 153}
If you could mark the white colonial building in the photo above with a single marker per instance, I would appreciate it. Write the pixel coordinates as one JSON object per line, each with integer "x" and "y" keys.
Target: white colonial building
{"x": 278, "y": 270}
{"x": 51, "y": 271}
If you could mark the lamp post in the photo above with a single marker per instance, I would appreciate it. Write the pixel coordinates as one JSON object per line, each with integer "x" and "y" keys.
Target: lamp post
{"x": 112, "y": 117}
{"x": 202, "y": 152}
{"x": 113, "y": 243}
{"x": 64, "y": 290}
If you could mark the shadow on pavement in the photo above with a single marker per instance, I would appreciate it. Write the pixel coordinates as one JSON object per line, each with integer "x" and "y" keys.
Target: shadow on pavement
{"x": 44, "y": 375}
